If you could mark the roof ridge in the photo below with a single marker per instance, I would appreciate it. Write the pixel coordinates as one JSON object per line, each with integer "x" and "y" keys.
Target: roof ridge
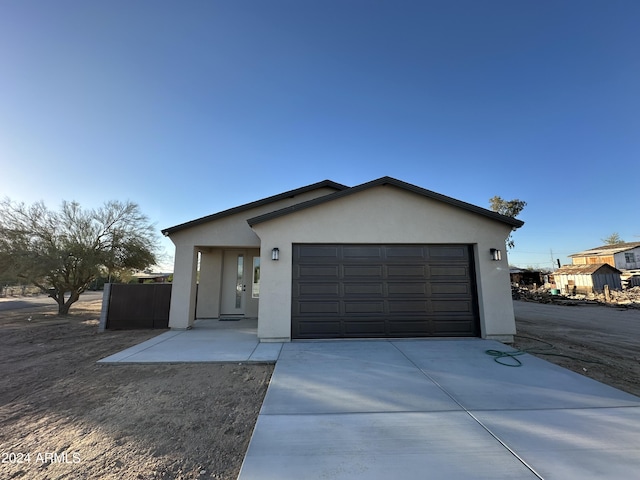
{"x": 386, "y": 180}
{"x": 607, "y": 248}
{"x": 584, "y": 267}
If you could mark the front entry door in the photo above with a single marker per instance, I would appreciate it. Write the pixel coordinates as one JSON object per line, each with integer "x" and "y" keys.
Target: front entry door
{"x": 234, "y": 285}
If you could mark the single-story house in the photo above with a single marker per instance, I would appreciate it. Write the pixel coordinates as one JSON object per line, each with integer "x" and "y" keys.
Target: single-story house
{"x": 623, "y": 256}
{"x": 590, "y": 278}
{"x": 381, "y": 259}
{"x": 159, "y": 277}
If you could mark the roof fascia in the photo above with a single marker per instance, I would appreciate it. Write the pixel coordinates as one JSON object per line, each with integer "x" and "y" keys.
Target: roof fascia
{"x": 386, "y": 181}
{"x": 257, "y": 203}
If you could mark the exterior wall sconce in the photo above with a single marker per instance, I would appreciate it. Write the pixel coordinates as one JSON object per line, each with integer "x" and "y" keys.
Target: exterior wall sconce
{"x": 275, "y": 254}
{"x": 496, "y": 254}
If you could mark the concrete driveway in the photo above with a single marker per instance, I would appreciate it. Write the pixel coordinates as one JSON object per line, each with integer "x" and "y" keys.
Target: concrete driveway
{"x": 441, "y": 409}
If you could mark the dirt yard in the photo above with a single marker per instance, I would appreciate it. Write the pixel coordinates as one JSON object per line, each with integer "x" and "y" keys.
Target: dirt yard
{"x": 599, "y": 342}
{"x": 62, "y": 416}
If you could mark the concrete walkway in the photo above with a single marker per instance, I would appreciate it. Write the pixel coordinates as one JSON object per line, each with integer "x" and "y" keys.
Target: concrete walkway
{"x": 208, "y": 341}
{"x": 437, "y": 409}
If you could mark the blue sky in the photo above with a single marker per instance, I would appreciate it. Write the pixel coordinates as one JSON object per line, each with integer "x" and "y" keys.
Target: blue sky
{"x": 189, "y": 108}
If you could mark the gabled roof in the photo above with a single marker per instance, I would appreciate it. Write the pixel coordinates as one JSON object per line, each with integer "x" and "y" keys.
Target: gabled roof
{"x": 587, "y": 269}
{"x": 387, "y": 181}
{"x": 257, "y": 203}
{"x": 607, "y": 249}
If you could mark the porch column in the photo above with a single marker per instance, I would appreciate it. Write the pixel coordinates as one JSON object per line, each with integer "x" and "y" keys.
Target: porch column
{"x": 183, "y": 291}
{"x": 208, "y": 305}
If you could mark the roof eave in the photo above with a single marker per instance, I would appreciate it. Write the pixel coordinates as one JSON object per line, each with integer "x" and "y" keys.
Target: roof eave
{"x": 257, "y": 203}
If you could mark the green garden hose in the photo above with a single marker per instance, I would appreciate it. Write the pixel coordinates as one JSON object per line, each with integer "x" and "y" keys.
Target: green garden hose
{"x": 513, "y": 361}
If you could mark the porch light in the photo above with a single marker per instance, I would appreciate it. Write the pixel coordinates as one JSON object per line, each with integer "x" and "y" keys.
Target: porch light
{"x": 496, "y": 254}
{"x": 275, "y": 254}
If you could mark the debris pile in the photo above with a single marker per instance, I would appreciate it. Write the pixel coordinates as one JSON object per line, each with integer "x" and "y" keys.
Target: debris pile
{"x": 531, "y": 294}
{"x": 629, "y": 298}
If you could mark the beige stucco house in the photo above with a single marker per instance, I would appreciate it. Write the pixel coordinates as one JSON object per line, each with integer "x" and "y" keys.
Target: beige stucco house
{"x": 382, "y": 259}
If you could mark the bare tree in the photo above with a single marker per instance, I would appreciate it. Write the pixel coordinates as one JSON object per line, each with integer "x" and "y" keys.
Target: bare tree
{"x": 62, "y": 252}
{"x": 509, "y": 208}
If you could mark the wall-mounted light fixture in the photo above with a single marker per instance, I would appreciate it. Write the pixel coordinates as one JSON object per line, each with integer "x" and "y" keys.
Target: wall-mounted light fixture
{"x": 496, "y": 254}
{"x": 275, "y": 254}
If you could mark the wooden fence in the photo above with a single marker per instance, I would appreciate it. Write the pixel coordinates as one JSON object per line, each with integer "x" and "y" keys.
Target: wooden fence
{"x": 131, "y": 306}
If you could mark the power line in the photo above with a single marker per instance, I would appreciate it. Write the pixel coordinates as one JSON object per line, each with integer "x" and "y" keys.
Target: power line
{"x": 540, "y": 253}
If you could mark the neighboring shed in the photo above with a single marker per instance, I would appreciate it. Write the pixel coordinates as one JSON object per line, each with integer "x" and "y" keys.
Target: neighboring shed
{"x": 591, "y": 278}
{"x": 527, "y": 277}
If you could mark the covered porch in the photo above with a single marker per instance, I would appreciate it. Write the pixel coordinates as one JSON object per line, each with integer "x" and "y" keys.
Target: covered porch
{"x": 215, "y": 282}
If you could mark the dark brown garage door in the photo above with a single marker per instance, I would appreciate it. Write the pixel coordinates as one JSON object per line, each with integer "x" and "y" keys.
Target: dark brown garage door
{"x": 360, "y": 291}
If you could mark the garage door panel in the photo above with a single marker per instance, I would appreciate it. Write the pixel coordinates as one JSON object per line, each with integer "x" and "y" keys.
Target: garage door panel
{"x": 364, "y": 307}
{"x": 364, "y": 328}
{"x": 448, "y": 271}
{"x": 404, "y": 253}
{"x": 317, "y": 252}
{"x": 315, "y": 271}
{"x": 454, "y": 306}
{"x": 450, "y": 288}
{"x": 398, "y": 271}
{"x": 362, "y": 252}
{"x": 309, "y": 289}
{"x": 417, "y": 307}
{"x": 410, "y": 328}
{"x": 319, "y": 307}
{"x": 383, "y": 291}
{"x": 454, "y": 328}
{"x": 372, "y": 288}
{"x": 319, "y": 328}
{"x": 367, "y": 271}
{"x": 449, "y": 253}
{"x": 407, "y": 288}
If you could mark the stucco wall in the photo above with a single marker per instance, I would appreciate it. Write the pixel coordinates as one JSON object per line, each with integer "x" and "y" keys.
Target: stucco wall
{"x": 384, "y": 214}
{"x": 233, "y": 230}
{"x": 228, "y": 231}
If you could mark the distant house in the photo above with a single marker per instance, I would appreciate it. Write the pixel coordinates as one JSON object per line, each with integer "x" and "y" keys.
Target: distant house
{"x": 527, "y": 277}
{"x": 152, "y": 277}
{"x": 623, "y": 256}
{"x": 572, "y": 279}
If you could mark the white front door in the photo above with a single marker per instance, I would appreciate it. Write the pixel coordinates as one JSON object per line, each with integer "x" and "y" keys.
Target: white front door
{"x": 234, "y": 285}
